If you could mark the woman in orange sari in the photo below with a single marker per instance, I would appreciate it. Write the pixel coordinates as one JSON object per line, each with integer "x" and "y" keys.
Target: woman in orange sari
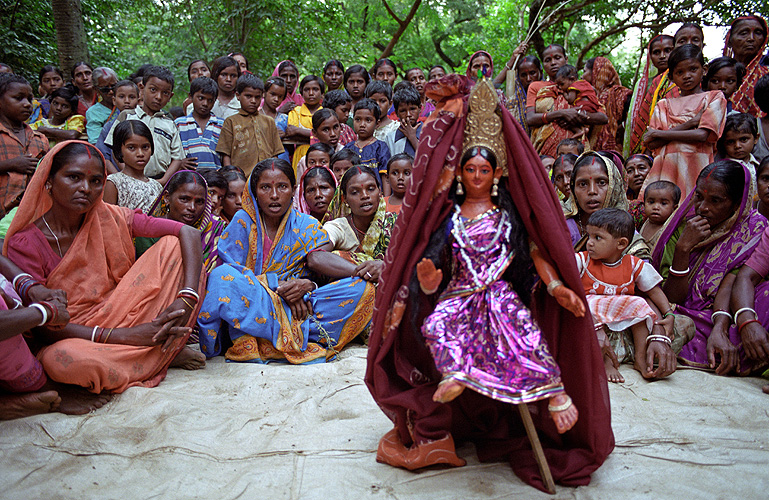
{"x": 129, "y": 320}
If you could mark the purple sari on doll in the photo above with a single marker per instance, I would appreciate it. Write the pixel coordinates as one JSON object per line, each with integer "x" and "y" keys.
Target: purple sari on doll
{"x": 724, "y": 251}
{"x": 480, "y": 332}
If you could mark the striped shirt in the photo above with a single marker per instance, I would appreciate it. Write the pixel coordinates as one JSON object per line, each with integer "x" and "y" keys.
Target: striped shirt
{"x": 201, "y": 144}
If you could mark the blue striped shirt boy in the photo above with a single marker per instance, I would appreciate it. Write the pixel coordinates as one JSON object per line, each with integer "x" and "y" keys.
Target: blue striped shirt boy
{"x": 201, "y": 145}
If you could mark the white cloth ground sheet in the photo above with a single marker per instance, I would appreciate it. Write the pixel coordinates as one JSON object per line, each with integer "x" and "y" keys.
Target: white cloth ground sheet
{"x": 246, "y": 431}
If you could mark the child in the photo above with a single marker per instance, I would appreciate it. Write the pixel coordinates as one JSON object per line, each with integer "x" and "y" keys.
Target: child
{"x": 340, "y": 102}
{"x": 168, "y": 151}
{"x": 274, "y": 94}
{"x": 51, "y": 78}
{"x": 126, "y": 97}
{"x": 738, "y": 140}
{"x": 578, "y": 93}
{"x": 373, "y": 152}
{"x": 683, "y": 131}
{"x": 384, "y": 70}
{"x": 399, "y": 177}
{"x": 417, "y": 78}
{"x": 724, "y": 74}
{"x": 572, "y": 146}
{"x": 248, "y": 137}
{"x": 199, "y": 131}
{"x": 342, "y": 161}
{"x": 356, "y": 78}
{"x": 333, "y": 75}
{"x": 325, "y": 130}
{"x": 762, "y": 182}
{"x": 196, "y": 69}
{"x": 20, "y": 146}
{"x": 299, "y": 128}
{"x": 225, "y": 72}
{"x": 561, "y": 175}
{"x": 133, "y": 146}
{"x": 217, "y": 189}
{"x": 660, "y": 201}
{"x": 318, "y": 155}
{"x": 236, "y": 182}
{"x": 408, "y": 107}
{"x": 63, "y": 124}
{"x": 611, "y": 283}
{"x": 382, "y": 93}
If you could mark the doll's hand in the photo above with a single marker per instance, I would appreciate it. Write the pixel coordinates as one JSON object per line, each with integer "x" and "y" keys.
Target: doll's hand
{"x": 429, "y": 277}
{"x": 569, "y": 300}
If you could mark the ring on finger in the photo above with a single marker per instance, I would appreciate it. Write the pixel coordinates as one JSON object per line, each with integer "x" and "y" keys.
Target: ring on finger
{"x": 369, "y": 274}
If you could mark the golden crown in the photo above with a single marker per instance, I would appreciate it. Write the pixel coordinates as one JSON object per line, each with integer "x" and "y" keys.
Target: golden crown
{"x": 484, "y": 125}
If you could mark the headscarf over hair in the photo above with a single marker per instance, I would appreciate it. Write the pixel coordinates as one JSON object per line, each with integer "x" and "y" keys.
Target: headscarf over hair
{"x": 303, "y": 206}
{"x": 742, "y": 99}
{"x": 616, "y": 196}
{"x": 488, "y": 73}
{"x": 612, "y": 95}
{"x": 295, "y": 97}
{"x": 401, "y": 373}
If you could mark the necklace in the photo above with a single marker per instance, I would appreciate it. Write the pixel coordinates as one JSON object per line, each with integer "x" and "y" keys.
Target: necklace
{"x": 54, "y": 236}
{"x": 352, "y": 223}
{"x": 464, "y": 240}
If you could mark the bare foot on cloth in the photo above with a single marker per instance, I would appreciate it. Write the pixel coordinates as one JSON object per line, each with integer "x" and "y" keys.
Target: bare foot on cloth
{"x": 563, "y": 412}
{"x": 189, "y": 359}
{"x": 78, "y": 401}
{"x": 28, "y": 404}
{"x": 612, "y": 373}
{"x": 448, "y": 391}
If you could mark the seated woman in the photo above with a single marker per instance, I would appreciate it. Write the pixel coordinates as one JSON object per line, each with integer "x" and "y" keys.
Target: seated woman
{"x": 316, "y": 190}
{"x": 261, "y": 300}
{"x": 596, "y": 183}
{"x": 363, "y": 235}
{"x": 712, "y": 234}
{"x": 186, "y": 199}
{"x": 129, "y": 319}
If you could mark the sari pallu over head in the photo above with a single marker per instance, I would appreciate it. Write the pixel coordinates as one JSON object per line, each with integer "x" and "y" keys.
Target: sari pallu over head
{"x": 613, "y": 96}
{"x": 401, "y": 373}
{"x": 209, "y": 225}
{"x": 294, "y": 96}
{"x": 742, "y": 99}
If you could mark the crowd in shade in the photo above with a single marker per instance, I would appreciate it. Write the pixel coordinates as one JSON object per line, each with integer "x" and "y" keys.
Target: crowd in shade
{"x": 490, "y": 248}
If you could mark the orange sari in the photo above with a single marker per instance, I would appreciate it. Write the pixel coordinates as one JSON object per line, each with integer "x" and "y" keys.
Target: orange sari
{"x": 105, "y": 287}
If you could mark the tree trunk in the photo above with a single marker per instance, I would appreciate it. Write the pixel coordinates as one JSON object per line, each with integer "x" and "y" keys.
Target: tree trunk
{"x": 71, "y": 41}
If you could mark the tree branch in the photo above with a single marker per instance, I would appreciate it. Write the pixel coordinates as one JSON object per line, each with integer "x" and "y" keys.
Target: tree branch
{"x": 402, "y": 25}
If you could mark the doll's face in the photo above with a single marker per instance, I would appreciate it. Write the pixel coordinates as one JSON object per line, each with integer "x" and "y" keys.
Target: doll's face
{"x": 477, "y": 177}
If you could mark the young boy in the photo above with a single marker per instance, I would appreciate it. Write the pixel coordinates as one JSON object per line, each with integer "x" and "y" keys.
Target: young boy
{"x": 408, "y": 107}
{"x": 382, "y": 93}
{"x": 20, "y": 146}
{"x": 199, "y": 131}
{"x": 342, "y": 161}
{"x": 612, "y": 281}
{"x": 399, "y": 178}
{"x": 661, "y": 199}
{"x": 126, "y": 97}
{"x": 249, "y": 136}
{"x": 577, "y": 92}
{"x": 217, "y": 189}
{"x": 341, "y": 103}
{"x": 738, "y": 140}
{"x": 572, "y": 146}
{"x": 158, "y": 90}
{"x": 373, "y": 152}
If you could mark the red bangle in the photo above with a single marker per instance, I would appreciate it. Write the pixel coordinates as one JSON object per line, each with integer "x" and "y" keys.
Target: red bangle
{"x": 544, "y": 117}
{"x": 739, "y": 330}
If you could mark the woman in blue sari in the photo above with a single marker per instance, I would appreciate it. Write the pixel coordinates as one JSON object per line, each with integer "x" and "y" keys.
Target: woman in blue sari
{"x": 261, "y": 299}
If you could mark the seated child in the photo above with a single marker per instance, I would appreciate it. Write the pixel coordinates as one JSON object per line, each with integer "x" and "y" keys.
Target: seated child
{"x": 660, "y": 201}
{"x": 381, "y": 93}
{"x": 399, "y": 177}
{"x": 133, "y": 145}
{"x": 233, "y": 200}
{"x": 126, "y": 97}
{"x": 724, "y": 74}
{"x": 248, "y": 137}
{"x": 738, "y": 140}
{"x": 318, "y": 155}
{"x": 572, "y": 146}
{"x": 762, "y": 180}
{"x": 340, "y": 102}
{"x": 217, "y": 189}
{"x": 373, "y": 152}
{"x": 63, "y": 123}
{"x": 612, "y": 283}
{"x": 200, "y": 130}
{"x": 405, "y": 138}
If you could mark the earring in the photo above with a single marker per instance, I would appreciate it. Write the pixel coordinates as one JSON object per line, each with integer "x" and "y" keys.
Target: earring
{"x": 460, "y": 190}
{"x": 494, "y": 188}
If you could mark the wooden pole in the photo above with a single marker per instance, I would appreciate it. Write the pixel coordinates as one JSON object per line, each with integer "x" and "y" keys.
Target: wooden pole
{"x": 536, "y": 445}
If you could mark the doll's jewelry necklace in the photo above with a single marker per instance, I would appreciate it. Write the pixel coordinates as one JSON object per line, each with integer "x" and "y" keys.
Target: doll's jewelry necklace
{"x": 465, "y": 240}
{"x": 54, "y": 236}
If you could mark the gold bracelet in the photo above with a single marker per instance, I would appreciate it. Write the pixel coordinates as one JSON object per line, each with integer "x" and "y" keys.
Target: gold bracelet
{"x": 188, "y": 304}
{"x": 108, "y": 334}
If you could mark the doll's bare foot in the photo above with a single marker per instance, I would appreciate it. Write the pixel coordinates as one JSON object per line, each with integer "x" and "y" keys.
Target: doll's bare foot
{"x": 612, "y": 373}
{"x": 563, "y": 412}
{"x": 448, "y": 391}
{"x": 28, "y": 404}
{"x": 189, "y": 359}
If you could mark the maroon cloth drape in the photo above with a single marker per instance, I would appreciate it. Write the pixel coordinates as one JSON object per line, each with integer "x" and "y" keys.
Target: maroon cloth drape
{"x": 401, "y": 374}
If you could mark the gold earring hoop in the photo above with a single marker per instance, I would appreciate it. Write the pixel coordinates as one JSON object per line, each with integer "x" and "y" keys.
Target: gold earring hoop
{"x": 494, "y": 188}
{"x": 460, "y": 190}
